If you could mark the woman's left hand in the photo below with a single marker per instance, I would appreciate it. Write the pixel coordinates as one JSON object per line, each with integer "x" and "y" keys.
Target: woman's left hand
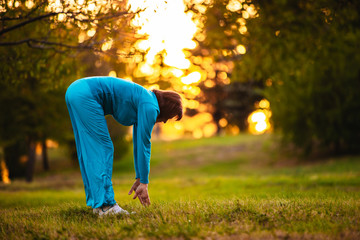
{"x": 134, "y": 186}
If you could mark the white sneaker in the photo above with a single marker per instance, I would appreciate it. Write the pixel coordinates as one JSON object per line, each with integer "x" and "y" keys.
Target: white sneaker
{"x": 96, "y": 210}
{"x": 114, "y": 209}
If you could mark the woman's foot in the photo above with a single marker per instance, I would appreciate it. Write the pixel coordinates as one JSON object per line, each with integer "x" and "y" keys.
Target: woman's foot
{"x": 109, "y": 210}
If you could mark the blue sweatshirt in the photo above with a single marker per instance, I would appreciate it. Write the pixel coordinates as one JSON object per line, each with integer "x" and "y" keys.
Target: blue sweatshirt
{"x": 130, "y": 104}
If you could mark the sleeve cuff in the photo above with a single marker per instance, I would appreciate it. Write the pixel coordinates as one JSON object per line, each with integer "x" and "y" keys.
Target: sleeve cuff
{"x": 144, "y": 181}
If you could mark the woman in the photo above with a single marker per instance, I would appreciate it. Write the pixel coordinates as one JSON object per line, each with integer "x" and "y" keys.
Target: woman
{"x": 88, "y": 101}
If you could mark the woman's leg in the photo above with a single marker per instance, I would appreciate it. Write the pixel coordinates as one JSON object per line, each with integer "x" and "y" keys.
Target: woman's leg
{"x": 93, "y": 144}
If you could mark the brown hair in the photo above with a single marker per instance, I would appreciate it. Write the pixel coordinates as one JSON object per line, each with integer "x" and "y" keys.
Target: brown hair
{"x": 170, "y": 105}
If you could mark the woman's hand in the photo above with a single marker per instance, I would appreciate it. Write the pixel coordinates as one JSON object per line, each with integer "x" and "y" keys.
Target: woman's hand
{"x": 141, "y": 192}
{"x": 134, "y": 186}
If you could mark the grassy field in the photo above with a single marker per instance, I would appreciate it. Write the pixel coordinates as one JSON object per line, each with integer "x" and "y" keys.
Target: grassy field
{"x": 234, "y": 187}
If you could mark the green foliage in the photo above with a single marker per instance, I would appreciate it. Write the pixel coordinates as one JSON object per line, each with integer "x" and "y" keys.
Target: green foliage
{"x": 308, "y": 54}
{"x": 31, "y": 99}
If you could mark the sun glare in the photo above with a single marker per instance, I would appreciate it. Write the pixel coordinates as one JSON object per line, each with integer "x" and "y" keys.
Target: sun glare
{"x": 193, "y": 77}
{"x": 169, "y": 32}
{"x": 168, "y": 28}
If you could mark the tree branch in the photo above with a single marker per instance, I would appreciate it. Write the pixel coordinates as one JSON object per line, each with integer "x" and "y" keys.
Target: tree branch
{"x": 27, "y": 22}
{"x": 13, "y": 43}
{"x": 43, "y": 44}
{"x": 107, "y": 17}
{"x": 74, "y": 14}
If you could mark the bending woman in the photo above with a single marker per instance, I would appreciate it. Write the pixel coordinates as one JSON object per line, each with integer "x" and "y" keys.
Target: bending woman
{"x": 88, "y": 101}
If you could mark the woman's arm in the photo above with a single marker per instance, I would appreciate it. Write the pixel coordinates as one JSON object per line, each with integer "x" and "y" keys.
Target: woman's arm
{"x": 147, "y": 115}
{"x": 142, "y": 130}
{"x": 136, "y": 165}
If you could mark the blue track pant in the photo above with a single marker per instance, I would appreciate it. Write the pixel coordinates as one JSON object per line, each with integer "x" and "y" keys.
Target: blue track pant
{"x": 93, "y": 144}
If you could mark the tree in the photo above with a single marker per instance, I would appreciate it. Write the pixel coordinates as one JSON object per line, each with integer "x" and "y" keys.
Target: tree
{"x": 31, "y": 100}
{"x": 221, "y": 49}
{"x": 68, "y": 25}
{"x": 308, "y": 54}
{"x": 41, "y": 47}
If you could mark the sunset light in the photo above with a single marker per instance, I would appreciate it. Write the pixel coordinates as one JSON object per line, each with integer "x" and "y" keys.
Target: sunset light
{"x": 168, "y": 119}
{"x": 167, "y": 27}
{"x": 193, "y": 77}
{"x": 169, "y": 33}
{"x": 259, "y": 119}
{"x": 4, "y": 172}
{"x": 198, "y": 126}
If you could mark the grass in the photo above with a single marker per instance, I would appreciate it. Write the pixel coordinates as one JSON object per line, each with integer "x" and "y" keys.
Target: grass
{"x": 233, "y": 187}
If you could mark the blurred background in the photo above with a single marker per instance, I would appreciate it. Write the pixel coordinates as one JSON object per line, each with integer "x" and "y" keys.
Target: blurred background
{"x": 284, "y": 74}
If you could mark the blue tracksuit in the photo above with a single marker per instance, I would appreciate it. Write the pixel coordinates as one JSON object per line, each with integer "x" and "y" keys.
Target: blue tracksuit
{"x": 88, "y": 101}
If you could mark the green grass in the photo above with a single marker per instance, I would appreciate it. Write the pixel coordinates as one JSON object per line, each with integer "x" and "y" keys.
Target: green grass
{"x": 237, "y": 187}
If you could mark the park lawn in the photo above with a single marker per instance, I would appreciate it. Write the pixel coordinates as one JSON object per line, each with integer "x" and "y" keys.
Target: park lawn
{"x": 230, "y": 187}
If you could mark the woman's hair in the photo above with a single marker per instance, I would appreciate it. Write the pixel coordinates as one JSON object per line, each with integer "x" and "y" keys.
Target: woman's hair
{"x": 170, "y": 105}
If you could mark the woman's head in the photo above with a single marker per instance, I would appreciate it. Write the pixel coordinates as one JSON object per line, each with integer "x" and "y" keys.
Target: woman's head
{"x": 170, "y": 105}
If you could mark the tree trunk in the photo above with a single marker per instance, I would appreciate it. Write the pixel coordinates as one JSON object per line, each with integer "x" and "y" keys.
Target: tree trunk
{"x": 31, "y": 161}
{"x": 216, "y": 117}
{"x": 44, "y": 154}
{"x": 12, "y": 155}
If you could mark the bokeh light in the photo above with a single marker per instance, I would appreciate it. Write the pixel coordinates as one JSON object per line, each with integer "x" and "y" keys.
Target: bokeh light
{"x": 4, "y": 172}
{"x": 258, "y": 120}
{"x": 193, "y": 77}
{"x": 112, "y": 74}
